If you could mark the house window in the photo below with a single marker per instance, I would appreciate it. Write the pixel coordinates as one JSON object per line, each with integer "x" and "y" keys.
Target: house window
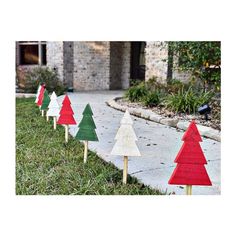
{"x": 32, "y": 52}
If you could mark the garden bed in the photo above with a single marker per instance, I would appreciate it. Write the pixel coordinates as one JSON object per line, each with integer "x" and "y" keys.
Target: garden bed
{"x": 45, "y": 165}
{"x": 214, "y": 121}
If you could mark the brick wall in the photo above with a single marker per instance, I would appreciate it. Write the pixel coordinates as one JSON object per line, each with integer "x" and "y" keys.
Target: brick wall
{"x": 156, "y": 60}
{"x": 91, "y": 65}
{"x": 55, "y": 57}
{"x": 68, "y": 65}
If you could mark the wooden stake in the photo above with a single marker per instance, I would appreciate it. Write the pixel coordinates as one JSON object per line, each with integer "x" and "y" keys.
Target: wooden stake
{"x": 54, "y": 122}
{"x": 47, "y": 118}
{"x": 66, "y": 133}
{"x": 188, "y": 189}
{"x": 125, "y": 171}
{"x": 85, "y": 151}
{"x": 42, "y": 112}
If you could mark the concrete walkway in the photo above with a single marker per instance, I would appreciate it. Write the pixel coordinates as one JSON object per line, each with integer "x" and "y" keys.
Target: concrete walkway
{"x": 158, "y": 144}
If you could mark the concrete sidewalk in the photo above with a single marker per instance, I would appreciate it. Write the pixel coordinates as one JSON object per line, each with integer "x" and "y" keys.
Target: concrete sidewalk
{"x": 158, "y": 144}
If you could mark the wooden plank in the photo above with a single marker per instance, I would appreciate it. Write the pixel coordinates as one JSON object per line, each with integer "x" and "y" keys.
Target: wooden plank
{"x": 125, "y": 171}
{"x": 66, "y": 133}
{"x": 85, "y": 151}
{"x": 188, "y": 189}
{"x": 54, "y": 122}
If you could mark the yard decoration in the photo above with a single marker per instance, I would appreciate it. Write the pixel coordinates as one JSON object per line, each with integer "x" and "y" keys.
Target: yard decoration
{"x": 86, "y": 130}
{"x": 40, "y": 98}
{"x": 190, "y": 169}
{"x": 37, "y": 94}
{"x": 66, "y": 117}
{"x": 53, "y": 109}
{"x": 125, "y": 142}
{"x": 45, "y": 102}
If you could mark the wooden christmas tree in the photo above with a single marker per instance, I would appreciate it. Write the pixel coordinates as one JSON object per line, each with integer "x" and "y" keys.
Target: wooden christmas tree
{"x": 40, "y": 98}
{"x": 37, "y": 94}
{"x": 125, "y": 142}
{"x": 66, "y": 117}
{"x": 86, "y": 130}
{"x": 45, "y": 102}
{"x": 53, "y": 109}
{"x": 190, "y": 169}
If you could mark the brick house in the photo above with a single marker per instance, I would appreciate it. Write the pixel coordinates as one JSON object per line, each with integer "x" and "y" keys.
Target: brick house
{"x": 103, "y": 65}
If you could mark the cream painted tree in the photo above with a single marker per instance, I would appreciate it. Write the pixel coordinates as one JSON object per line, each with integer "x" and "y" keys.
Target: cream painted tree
{"x": 126, "y": 142}
{"x": 54, "y": 109}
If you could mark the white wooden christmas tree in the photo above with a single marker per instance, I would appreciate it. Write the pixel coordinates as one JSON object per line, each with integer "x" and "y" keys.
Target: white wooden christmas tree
{"x": 125, "y": 142}
{"x": 37, "y": 94}
{"x": 54, "y": 109}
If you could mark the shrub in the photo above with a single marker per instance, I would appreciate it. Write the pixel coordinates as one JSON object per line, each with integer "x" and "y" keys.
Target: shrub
{"x": 202, "y": 58}
{"x": 151, "y": 99}
{"x": 187, "y": 100}
{"x": 136, "y": 92}
{"x": 43, "y": 75}
{"x": 174, "y": 86}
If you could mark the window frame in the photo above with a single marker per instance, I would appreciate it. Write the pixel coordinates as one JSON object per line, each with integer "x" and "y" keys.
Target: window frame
{"x": 41, "y": 52}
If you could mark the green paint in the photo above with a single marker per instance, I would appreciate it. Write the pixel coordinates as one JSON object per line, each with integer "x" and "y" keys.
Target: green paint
{"x": 46, "y": 100}
{"x": 87, "y": 126}
{"x": 87, "y": 122}
{"x": 88, "y": 110}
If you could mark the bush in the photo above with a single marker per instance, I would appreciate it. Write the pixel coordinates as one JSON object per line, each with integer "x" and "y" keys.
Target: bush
{"x": 187, "y": 100}
{"x": 137, "y": 92}
{"x": 43, "y": 75}
{"x": 151, "y": 99}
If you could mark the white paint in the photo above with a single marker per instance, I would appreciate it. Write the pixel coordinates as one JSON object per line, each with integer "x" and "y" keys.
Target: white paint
{"x": 126, "y": 131}
{"x": 126, "y": 119}
{"x": 125, "y": 144}
{"x": 53, "y": 106}
{"x": 37, "y": 94}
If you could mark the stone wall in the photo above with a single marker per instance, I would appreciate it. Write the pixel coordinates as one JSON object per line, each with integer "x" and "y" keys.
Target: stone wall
{"x": 182, "y": 76}
{"x": 119, "y": 65}
{"x": 55, "y": 57}
{"x": 91, "y": 65}
{"x": 156, "y": 60}
{"x": 125, "y": 75}
{"x": 68, "y": 63}
{"x": 177, "y": 74}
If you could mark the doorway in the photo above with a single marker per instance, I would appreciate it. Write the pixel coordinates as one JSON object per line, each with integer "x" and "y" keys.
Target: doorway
{"x": 137, "y": 68}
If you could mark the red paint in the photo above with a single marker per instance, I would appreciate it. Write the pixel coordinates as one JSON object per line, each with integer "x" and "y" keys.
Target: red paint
{"x": 190, "y": 174}
{"x": 192, "y": 133}
{"x": 66, "y": 113}
{"x": 190, "y": 169}
{"x": 191, "y": 153}
{"x": 41, "y": 93}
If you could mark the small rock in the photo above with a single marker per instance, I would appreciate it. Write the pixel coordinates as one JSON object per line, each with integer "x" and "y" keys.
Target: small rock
{"x": 169, "y": 121}
{"x": 183, "y": 125}
{"x": 155, "y": 118}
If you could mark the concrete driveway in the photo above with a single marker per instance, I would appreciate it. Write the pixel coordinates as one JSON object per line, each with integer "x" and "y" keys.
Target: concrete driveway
{"x": 158, "y": 144}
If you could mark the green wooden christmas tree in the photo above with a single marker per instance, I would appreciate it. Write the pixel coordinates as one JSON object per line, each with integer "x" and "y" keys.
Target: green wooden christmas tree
{"x": 86, "y": 130}
{"x": 45, "y": 102}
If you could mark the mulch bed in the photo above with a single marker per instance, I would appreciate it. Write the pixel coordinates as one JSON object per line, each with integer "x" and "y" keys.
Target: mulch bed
{"x": 214, "y": 117}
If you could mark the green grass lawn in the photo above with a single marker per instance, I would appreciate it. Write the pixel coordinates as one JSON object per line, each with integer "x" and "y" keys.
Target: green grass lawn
{"x": 46, "y": 165}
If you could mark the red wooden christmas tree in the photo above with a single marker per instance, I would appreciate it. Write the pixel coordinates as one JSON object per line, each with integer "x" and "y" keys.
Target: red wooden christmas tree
{"x": 40, "y": 98}
{"x": 190, "y": 169}
{"x": 66, "y": 116}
